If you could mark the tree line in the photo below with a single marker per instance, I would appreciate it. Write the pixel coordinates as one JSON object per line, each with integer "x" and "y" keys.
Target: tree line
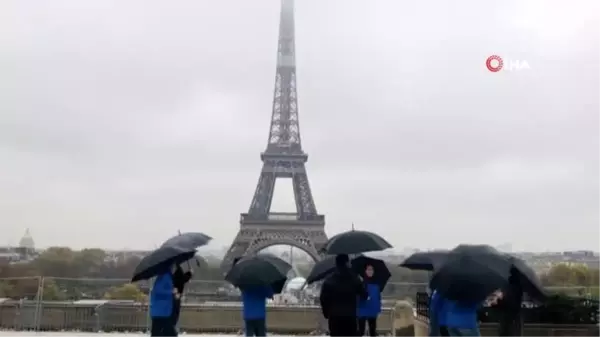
{"x": 76, "y": 274}
{"x": 63, "y": 270}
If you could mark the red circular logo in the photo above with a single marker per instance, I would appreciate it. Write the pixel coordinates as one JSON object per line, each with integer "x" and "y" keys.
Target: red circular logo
{"x": 491, "y": 67}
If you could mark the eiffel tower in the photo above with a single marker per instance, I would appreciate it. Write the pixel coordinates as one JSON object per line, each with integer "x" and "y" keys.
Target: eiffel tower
{"x": 283, "y": 159}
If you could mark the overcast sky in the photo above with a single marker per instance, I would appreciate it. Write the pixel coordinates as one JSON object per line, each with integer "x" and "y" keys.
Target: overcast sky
{"x": 124, "y": 121}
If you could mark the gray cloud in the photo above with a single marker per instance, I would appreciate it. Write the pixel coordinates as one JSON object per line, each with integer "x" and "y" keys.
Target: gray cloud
{"x": 133, "y": 119}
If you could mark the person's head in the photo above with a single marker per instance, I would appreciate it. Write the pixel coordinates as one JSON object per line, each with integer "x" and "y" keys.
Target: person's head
{"x": 342, "y": 260}
{"x": 369, "y": 271}
{"x": 514, "y": 279}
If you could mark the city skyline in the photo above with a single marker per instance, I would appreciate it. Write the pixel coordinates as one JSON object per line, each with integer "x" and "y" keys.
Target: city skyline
{"x": 212, "y": 248}
{"x": 119, "y": 132}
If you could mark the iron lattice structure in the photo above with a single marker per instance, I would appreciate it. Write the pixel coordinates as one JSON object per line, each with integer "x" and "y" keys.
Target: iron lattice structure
{"x": 283, "y": 158}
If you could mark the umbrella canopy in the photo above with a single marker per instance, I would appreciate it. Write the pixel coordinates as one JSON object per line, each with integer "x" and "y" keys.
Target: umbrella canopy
{"x": 259, "y": 270}
{"x": 381, "y": 273}
{"x": 427, "y": 261}
{"x": 529, "y": 280}
{"x": 280, "y": 263}
{"x": 190, "y": 240}
{"x": 321, "y": 269}
{"x": 355, "y": 242}
{"x": 160, "y": 260}
{"x": 471, "y": 273}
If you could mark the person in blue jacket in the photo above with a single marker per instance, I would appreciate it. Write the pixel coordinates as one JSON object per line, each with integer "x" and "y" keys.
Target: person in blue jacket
{"x": 162, "y": 297}
{"x": 369, "y": 309}
{"x": 435, "y": 311}
{"x": 254, "y": 301}
{"x": 461, "y": 318}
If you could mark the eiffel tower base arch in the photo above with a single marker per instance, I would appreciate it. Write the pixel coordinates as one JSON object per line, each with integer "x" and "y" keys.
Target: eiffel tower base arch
{"x": 250, "y": 241}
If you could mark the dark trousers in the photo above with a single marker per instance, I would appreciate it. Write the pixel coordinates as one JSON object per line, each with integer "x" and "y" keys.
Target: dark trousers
{"x": 343, "y": 326}
{"x": 362, "y": 324}
{"x": 256, "y": 327}
{"x": 176, "y": 311}
{"x": 510, "y": 326}
{"x": 444, "y": 331}
{"x": 162, "y": 326}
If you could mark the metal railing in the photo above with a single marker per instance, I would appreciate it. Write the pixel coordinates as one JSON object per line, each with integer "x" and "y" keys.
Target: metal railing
{"x": 422, "y": 305}
{"x": 43, "y": 303}
{"x": 569, "y": 309}
{"x": 197, "y": 291}
{"x": 28, "y": 297}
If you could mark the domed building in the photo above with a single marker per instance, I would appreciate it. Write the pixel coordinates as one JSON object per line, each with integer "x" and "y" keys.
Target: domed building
{"x": 26, "y": 248}
{"x": 27, "y": 242}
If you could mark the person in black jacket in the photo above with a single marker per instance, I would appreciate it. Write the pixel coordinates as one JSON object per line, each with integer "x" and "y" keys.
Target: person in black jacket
{"x": 339, "y": 298}
{"x": 510, "y": 306}
{"x": 179, "y": 280}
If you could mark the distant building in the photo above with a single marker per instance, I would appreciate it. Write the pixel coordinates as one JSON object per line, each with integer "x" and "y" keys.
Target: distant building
{"x": 9, "y": 255}
{"x": 26, "y": 247}
{"x": 122, "y": 255}
{"x": 580, "y": 254}
{"x": 24, "y": 252}
{"x": 27, "y": 241}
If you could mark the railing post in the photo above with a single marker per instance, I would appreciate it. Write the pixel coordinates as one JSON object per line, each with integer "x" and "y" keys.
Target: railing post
{"x": 19, "y": 316}
{"x": 393, "y": 321}
{"x": 148, "y": 316}
{"x": 38, "y": 311}
{"x": 97, "y": 313}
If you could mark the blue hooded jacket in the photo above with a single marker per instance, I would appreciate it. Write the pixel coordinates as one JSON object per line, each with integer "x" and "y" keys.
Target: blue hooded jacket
{"x": 461, "y": 315}
{"x": 370, "y": 307}
{"x": 435, "y": 310}
{"x": 255, "y": 302}
{"x": 161, "y": 296}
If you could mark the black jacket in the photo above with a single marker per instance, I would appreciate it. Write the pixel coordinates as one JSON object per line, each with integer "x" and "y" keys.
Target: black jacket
{"x": 512, "y": 298}
{"x": 340, "y": 294}
{"x": 180, "y": 279}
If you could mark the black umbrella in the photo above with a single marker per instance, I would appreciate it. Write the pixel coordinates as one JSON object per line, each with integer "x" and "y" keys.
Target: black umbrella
{"x": 321, "y": 269}
{"x": 529, "y": 280}
{"x": 259, "y": 270}
{"x": 278, "y": 286}
{"x": 160, "y": 260}
{"x": 425, "y": 260}
{"x": 381, "y": 273}
{"x": 280, "y": 263}
{"x": 355, "y": 242}
{"x": 190, "y": 240}
{"x": 471, "y": 273}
